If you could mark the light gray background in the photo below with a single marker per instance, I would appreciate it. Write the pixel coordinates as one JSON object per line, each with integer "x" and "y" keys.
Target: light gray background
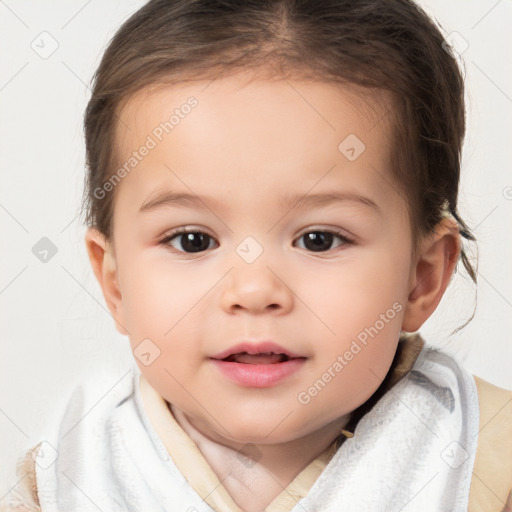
{"x": 55, "y": 326}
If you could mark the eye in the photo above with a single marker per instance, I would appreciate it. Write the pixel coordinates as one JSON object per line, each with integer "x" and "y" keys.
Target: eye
{"x": 190, "y": 241}
{"x": 320, "y": 241}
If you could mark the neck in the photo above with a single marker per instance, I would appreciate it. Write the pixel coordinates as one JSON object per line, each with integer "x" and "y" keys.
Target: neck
{"x": 254, "y": 474}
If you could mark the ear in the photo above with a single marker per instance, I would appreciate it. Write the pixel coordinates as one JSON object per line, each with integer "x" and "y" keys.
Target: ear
{"x": 103, "y": 262}
{"x": 436, "y": 261}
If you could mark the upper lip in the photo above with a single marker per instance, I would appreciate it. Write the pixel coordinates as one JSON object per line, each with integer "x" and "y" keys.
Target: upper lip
{"x": 256, "y": 348}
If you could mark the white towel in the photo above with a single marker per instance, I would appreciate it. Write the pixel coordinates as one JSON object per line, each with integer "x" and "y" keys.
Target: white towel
{"x": 414, "y": 451}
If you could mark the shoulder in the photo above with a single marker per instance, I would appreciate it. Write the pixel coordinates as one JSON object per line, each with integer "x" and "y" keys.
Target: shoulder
{"x": 92, "y": 404}
{"x": 23, "y": 497}
{"x": 491, "y": 483}
{"x": 88, "y": 408}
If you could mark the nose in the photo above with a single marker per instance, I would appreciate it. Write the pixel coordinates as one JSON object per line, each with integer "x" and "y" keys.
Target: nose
{"x": 256, "y": 288}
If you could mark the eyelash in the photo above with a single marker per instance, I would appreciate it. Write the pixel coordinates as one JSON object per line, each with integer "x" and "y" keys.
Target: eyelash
{"x": 181, "y": 231}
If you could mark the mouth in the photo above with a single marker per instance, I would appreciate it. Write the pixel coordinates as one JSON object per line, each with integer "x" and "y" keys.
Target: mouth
{"x": 260, "y": 358}
{"x": 266, "y": 352}
{"x": 258, "y": 365}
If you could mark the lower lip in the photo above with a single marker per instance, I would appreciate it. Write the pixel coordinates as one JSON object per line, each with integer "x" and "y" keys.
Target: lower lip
{"x": 259, "y": 375}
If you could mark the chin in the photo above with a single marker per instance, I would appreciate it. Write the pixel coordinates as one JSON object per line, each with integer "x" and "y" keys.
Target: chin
{"x": 257, "y": 438}
{"x": 263, "y": 433}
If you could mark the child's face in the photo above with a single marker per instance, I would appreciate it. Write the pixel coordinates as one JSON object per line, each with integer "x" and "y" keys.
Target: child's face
{"x": 245, "y": 150}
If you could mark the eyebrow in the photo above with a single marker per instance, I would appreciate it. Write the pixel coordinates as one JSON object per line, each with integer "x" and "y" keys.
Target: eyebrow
{"x": 169, "y": 198}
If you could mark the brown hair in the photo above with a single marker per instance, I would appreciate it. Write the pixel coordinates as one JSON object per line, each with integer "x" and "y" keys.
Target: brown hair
{"x": 390, "y": 46}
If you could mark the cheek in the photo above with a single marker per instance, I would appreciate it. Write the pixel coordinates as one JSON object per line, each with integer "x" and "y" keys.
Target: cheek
{"x": 157, "y": 294}
{"x": 160, "y": 305}
{"x": 354, "y": 294}
{"x": 357, "y": 381}
{"x": 361, "y": 311}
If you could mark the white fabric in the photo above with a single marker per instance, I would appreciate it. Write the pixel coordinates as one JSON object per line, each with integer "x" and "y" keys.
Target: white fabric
{"x": 414, "y": 451}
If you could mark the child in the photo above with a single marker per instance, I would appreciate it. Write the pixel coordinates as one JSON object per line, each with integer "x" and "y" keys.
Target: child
{"x": 313, "y": 148}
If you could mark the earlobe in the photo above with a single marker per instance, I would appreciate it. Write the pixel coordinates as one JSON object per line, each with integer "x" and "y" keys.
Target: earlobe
{"x": 103, "y": 262}
{"x": 432, "y": 273}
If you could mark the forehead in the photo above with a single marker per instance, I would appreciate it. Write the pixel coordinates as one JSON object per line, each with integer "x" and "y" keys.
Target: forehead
{"x": 251, "y": 135}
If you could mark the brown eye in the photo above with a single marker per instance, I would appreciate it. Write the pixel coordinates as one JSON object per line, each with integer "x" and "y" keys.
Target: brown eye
{"x": 321, "y": 241}
{"x": 188, "y": 241}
